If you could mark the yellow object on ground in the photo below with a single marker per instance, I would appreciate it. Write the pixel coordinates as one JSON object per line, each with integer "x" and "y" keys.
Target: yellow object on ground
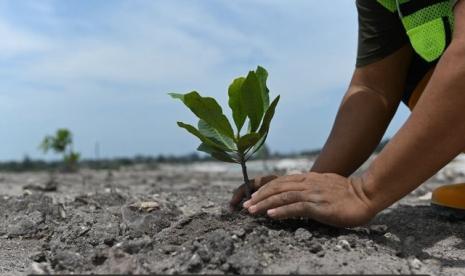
{"x": 450, "y": 198}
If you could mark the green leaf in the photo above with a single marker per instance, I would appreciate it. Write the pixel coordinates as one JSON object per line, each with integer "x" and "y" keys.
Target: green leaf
{"x": 219, "y": 155}
{"x": 247, "y": 141}
{"x": 203, "y": 138}
{"x": 177, "y": 96}
{"x": 257, "y": 146}
{"x": 264, "y": 129}
{"x": 210, "y": 132}
{"x": 268, "y": 117}
{"x": 210, "y": 111}
{"x": 252, "y": 101}
{"x": 262, "y": 75}
{"x": 235, "y": 103}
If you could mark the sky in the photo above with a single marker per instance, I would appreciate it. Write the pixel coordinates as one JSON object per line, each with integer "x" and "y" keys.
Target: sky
{"x": 103, "y": 69}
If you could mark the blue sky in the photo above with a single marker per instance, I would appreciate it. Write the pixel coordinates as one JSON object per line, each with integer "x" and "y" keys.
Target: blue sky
{"x": 103, "y": 68}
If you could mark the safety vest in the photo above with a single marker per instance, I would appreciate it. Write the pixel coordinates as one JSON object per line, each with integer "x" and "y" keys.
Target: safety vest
{"x": 429, "y": 24}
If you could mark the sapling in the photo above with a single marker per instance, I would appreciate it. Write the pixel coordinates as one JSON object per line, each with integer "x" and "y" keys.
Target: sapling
{"x": 249, "y": 101}
{"x": 62, "y": 143}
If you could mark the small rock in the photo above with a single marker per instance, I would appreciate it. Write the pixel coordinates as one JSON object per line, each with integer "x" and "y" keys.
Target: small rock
{"x": 369, "y": 243}
{"x": 134, "y": 246}
{"x": 167, "y": 249}
{"x": 49, "y": 186}
{"x": 225, "y": 267}
{"x": 83, "y": 230}
{"x": 392, "y": 237}
{"x": 415, "y": 263}
{"x": 204, "y": 254}
{"x": 209, "y": 204}
{"x": 302, "y": 234}
{"x": 194, "y": 263}
{"x": 321, "y": 254}
{"x": 147, "y": 206}
{"x": 378, "y": 229}
{"x": 426, "y": 196}
{"x": 62, "y": 210}
{"x": 239, "y": 232}
{"x": 38, "y": 256}
{"x": 315, "y": 247}
{"x": 344, "y": 244}
{"x": 118, "y": 262}
{"x": 40, "y": 268}
{"x": 196, "y": 245}
{"x": 25, "y": 225}
{"x": 68, "y": 260}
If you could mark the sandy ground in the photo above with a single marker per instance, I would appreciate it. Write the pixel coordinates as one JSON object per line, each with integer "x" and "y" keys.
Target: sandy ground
{"x": 92, "y": 223}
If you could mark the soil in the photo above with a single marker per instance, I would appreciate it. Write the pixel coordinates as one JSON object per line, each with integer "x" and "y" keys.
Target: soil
{"x": 175, "y": 219}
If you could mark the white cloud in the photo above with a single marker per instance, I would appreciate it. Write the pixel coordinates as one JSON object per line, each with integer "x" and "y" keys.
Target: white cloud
{"x": 16, "y": 42}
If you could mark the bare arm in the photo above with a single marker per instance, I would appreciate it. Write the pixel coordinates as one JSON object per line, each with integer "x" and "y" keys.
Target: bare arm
{"x": 364, "y": 114}
{"x": 432, "y": 136}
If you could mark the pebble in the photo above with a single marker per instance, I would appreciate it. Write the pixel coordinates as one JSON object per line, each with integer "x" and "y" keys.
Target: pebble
{"x": 225, "y": 267}
{"x": 239, "y": 232}
{"x": 204, "y": 254}
{"x": 391, "y": 237}
{"x": 302, "y": 234}
{"x": 195, "y": 262}
{"x": 344, "y": 244}
{"x": 415, "y": 263}
{"x": 378, "y": 229}
{"x": 208, "y": 205}
{"x": 40, "y": 268}
{"x": 38, "y": 256}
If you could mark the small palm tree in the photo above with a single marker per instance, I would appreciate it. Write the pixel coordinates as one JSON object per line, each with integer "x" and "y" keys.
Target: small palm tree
{"x": 62, "y": 143}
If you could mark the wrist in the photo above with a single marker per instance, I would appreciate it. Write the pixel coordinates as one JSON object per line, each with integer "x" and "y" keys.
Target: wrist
{"x": 372, "y": 186}
{"x": 359, "y": 188}
{"x": 365, "y": 187}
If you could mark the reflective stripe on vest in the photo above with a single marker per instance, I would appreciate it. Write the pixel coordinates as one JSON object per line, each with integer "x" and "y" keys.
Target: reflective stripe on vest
{"x": 429, "y": 24}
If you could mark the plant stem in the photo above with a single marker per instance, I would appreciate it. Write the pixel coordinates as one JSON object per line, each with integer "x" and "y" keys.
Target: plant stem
{"x": 248, "y": 186}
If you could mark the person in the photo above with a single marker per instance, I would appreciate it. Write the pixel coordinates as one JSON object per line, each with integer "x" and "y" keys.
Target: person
{"x": 408, "y": 51}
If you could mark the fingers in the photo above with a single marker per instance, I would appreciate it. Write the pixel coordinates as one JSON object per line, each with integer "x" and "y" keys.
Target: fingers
{"x": 277, "y": 186}
{"x": 295, "y": 210}
{"x": 239, "y": 193}
{"x": 277, "y": 201}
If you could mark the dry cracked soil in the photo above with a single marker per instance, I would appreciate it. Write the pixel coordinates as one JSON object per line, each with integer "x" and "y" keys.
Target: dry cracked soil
{"x": 174, "y": 219}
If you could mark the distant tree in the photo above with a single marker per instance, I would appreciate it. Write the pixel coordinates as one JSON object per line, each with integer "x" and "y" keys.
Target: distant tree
{"x": 62, "y": 143}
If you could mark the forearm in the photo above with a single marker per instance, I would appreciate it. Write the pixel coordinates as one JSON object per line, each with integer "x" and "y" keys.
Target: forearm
{"x": 365, "y": 112}
{"x": 360, "y": 124}
{"x": 432, "y": 136}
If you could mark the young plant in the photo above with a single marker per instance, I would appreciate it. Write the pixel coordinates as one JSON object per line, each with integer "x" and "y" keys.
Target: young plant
{"x": 249, "y": 101}
{"x": 62, "y": 143}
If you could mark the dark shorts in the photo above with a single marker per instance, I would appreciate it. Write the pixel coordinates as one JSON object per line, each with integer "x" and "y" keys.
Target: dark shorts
{"x": 381, "y": 34}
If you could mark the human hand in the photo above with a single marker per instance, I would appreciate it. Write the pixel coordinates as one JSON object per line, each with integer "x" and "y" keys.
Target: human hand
{"x": 327, "y": 198}
{"x": 257, "y": 182}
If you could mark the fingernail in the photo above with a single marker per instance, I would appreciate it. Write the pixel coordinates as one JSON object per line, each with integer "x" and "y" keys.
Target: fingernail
{"x": 254, "y": 194}
{"x": 271, "y": 212}
{"x": 246, "y": 204}
{"x": 253, "y": 209}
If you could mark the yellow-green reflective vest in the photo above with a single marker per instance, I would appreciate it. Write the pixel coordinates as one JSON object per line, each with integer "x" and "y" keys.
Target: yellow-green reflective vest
{"x": 429, "y": 24}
